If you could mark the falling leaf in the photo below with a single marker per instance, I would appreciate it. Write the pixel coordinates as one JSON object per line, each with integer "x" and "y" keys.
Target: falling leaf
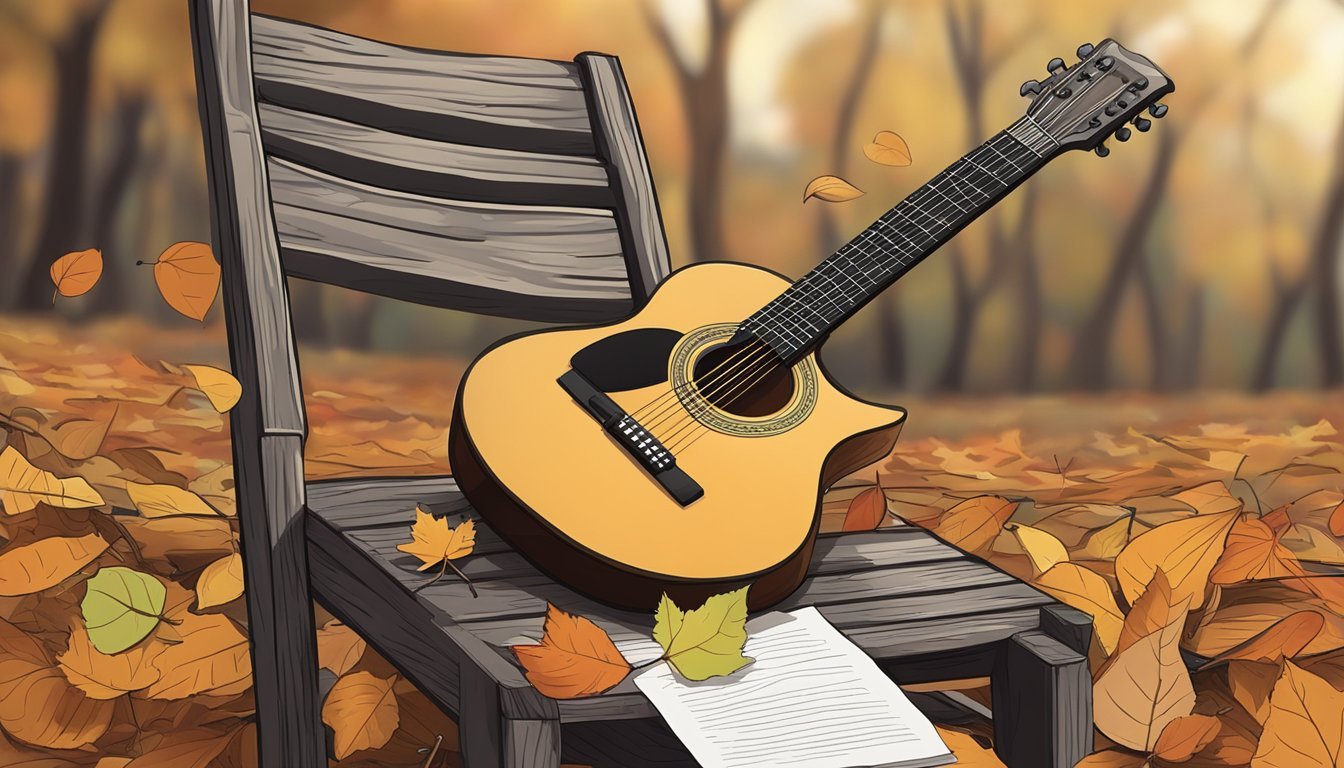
{"x": 1087, "y": 591}
{"x": 888, "y": 148}
{"x": 221, "y": 582}
{"x": 219, "y": 386}
{"x": 1251, "y": 683}
{"x": 42, "y": 564}
{"x": 339, "y": 648}
{"x": 866, "y": 511}
{"x": 37, "y": 704}
{"x": 1186, "y": 549}
{"x": 188, "y": 278}
{"x": 23, "y": 486}
{"x": 574, "y": 658}
{"x": 121, "y": 607}
{"x": 160, "y": 500}
{"x": 107, "y": 676}
{"x": 1253, "y": 552}
{"x": 1185, "y": 736}
{"x": 831, "y": 189}
{"x": 1044, "y": 550}
{"x": 75, "y": 273}
{"x": 362, "y": 712}
{"x": 975, "y": 523}
{"x": 433, "y": 541}
{"x": 210, "y": 654}
{"x": 1286, "y": 638}
{"x": 706, "y": 642}
{"x": 1305, "y": 725}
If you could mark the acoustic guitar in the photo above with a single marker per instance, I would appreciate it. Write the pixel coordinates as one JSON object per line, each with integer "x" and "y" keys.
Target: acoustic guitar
{"x": 685, "y": 449}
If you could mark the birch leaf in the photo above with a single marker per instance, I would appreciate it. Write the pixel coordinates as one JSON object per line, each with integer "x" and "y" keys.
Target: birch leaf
{"x": 706, "y": 642}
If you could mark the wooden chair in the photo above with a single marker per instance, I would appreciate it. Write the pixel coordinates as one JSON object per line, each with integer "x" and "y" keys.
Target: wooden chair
{"x": 513, "y": 187}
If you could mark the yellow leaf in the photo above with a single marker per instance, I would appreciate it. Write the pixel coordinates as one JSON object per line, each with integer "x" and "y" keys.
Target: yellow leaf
{"x": 831, "y": 189}
{"x": 1044, "y": 550}
{"x": 211, "y": 654}
{"x": 574, "y": 658}
{"x": 706, "y": 642}
{"x": 888, "y": 148}
{"x": 1107, "y": 542}
{"x": 362, "y": 712}
{"x": 1305, "y": 725}
{"x": 434, "y": 541}
{"x": 339, "y": 648}
{"x": 167, "y": 501}
{"x": 188, "y": 278}
{"x": 975, "y": 523}
{"x": 1211, "y": 498}
{"x": 107, "y": 676}
{"x": 219, "y": 386}
{"x": 1185, "y": 549}
{"x": 75, "y": 274}
{"x": 866, "y": 511}
{"x": 1185, "y": 736}
{"x": 1087, "y": 591}
{"x": 23, "y": 486}
{"x": 44, "y": 563}
{"x": 221, "y": 582}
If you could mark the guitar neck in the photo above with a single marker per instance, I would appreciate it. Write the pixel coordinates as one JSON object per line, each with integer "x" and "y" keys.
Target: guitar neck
{"x": 798, "y": 320}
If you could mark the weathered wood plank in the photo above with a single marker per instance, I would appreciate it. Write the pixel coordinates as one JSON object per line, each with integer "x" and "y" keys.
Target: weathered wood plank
{"x": 631, "y": 742}
{"x": 1068, "y": 625}
{"x": 1042, "y": 699}
{"x": 479, "y": 720}
{"x": 436, "y": 168}
{"x": 498, "y": 101}
{"x": 616, "y": 130}
{"x": 372, "y": 501}
{"x": 531, "y": 743}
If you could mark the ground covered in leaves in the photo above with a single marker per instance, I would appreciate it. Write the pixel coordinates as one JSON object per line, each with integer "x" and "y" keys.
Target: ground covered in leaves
{"x": 1201, "y": 532}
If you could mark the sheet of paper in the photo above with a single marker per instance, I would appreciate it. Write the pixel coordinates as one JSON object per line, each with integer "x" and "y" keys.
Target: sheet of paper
{"x": 811, "y": 698}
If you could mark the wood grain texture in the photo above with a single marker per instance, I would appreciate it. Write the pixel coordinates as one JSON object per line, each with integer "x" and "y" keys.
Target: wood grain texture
{"x": 1068, "y": 625}
{"x": 479, "y": 720}
{"x": 1042, "y": 702}
{"x": 616, "y": 130}
{"x": 491, "y": 101}
{"x": 531, "y": 743}
{"x": 435, "y": 168}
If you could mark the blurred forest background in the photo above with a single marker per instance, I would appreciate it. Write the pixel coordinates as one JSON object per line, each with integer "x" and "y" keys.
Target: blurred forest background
{"x": 1204, "y": 254}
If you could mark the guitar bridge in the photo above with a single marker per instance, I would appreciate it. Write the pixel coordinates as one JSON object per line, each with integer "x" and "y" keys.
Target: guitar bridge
{"x": 633, "y": 438}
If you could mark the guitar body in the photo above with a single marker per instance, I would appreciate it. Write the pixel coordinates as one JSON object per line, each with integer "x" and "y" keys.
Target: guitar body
{"x": 558, "y": 486}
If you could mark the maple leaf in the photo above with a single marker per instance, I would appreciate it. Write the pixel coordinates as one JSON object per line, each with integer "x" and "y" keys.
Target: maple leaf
{"x": 575, "y": 658}
{"x": 706, "y": 642}
{"x": 435, "y": 542}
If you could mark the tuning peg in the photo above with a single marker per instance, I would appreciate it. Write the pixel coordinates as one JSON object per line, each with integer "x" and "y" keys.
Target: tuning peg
{"x": 1111, "y": 110}
{"x": 1105, "y": 63}
{"x": 1086, "y": 50}
{"x": 1158, "y": 110}
{"x": 1102, "y": 150}
{"x": 1142, "y": 123}
{"x": 1030, "y": 88}
{"x": 1122, "y": 134}
{"x": 1055, "y": 66}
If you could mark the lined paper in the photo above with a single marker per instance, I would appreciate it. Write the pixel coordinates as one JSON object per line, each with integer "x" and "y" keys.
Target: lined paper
{"x": 810, "y": 698}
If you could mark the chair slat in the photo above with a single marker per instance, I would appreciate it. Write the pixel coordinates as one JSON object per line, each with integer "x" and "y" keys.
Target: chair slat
{"x": 550, "y": 264}
{"x": 440, "y": 169}
{"x": 496, "y": 101}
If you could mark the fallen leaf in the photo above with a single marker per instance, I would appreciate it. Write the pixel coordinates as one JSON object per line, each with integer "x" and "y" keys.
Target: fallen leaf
{"x": 187, "y": 540}
{"x": 968, "y": 751}
{"x": 362, "y": 712}
{"x": 1087, "y": 591}
{"x": 574, "y": 658}
{"x": 1112, "y": 758}
{"x": 75, "y": 273}
{"x": 1185, "y": 549}
{"x": 1185, "y": 736}
{"x": 974, "y": 523}
{"x": 188, "y": 278}
{"x": 37, "y": 704}
{"x": 221, "y": 582}
{"x": 1253, "y": 552}
{"x": 1305, "y": 726}
{"x": 23, "y": 486}
{"x": 706, "y": 642}
{"x": 339, "y": 648}
{"x": 185, "y": 748}
{"x": 80, "y": 438}
{"x": 219, "y": 386}
{"x": 887, "y": 148}
{"x": 106, "y": 676}
{"x": 1107, "y": 542}
{"x": 1236, "y": 624}
{"x": 433, "y": 541}
{"x": 1209, "y": 499}
{"x": 866, "y": 511}
{"x": 121, "y": 607}
{"x": 1043, "y": 549}
{"x": 1337, "y": 520}
{"x": 1251, "y": 683}
{"x": 1285, "y": 638}
{"x": 211, "y": 654}
{"x": 1156, "y": 608}
{"x": 158, "y": 500}
{"x": 831, "y": 189}
{"x": 42, "y": 564}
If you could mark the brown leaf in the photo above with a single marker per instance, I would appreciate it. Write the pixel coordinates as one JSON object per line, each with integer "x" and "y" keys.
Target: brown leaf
{"x": 1251, "y": 682}
{"x": 362, "y": 712}
{"x": 1233, "y": 625}
{"x": 37, "y": 704}
{"x": 888, "y": 148}
{"x": 1284, "y": 639}
{"x": 107, "y": 676}
{"x": 339, "y": 648}
{"x": 75, "y": 273}
{"x": 188, "y": 278}
{"x": 211, "y": 654}
{"x": 1185, "y": 736}
{"x": 44, "y": 563}
{"x": 187, "y": 541}
{"x": 1305, "y": 726}
{"x": 185, "y": 748}
{"x": 1185, "y": 549}
{"x": 1337, "y": 520}
{"x": 831, "y": 189}
{"x": 866, "y": 511}
{"x": 975, "y": 523}
{"x": 574, "y": 658}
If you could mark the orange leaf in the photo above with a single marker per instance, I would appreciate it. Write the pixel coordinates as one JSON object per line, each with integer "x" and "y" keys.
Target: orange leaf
{"x": 184, "y": 748}
{"x": 362, "y": 712}
{"x": 1253, "y": 552}
{"x": 574, "y": 658}
{"x": 339, "y": 648}
{"x": 211, "y": 654}
{"x": 1112, "y": 758}
{"x": 434, "y": 541}
{"x": 46, "y": 562}
{"x": 1156, "y": 608}
{"x": 1186, "y": 549}
{"x": 1337, "y": 520}
{"x": 1284, "y": 639}
{"x": 1251, "y": 683}
{"x": 37, "y": 704}
{"x": 1305, "y": 726}
{"x": 188, "y": 278}
{"x": 107, "y": 676}
{"x": 866, "y": 511}
{"x": 1185, "y": 736}
{"x": 975, "y": 523}
{"x": 831, "y": 189}
{"x": 888, "y": 148}
{"x": 77, "y": 272}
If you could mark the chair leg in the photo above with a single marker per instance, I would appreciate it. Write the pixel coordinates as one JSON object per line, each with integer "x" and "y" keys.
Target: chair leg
{"x": 531, "y": 743}
{"x": 491, "y": 740}
{"x": 1042, "y": 697}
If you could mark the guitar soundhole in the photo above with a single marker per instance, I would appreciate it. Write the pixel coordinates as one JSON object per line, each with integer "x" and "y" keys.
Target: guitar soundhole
{"x": 744, "y": 380}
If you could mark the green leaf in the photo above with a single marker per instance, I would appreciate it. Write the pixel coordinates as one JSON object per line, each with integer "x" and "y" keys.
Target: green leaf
{"x": 706, "y": 642}
{"x": 121, "y": 607}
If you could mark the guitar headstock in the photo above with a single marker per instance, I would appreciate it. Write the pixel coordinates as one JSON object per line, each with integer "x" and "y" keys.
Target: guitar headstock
{"x": 1081, "y": 106}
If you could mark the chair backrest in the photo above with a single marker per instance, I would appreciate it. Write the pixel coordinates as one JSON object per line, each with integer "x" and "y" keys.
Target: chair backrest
{"x": 506, "y": 186}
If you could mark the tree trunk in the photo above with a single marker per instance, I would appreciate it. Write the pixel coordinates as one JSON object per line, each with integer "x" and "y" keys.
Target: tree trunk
{"x": 1190, "y": 352}
{"x": 1156, "y": 324}
{"x": 953, "y": 375}
{"x": 1325, "y": 256}
{"x": 63, "y": 209}
{"x": 9, "y": 217}
{"x": 110, "y": 295}
{"x": 1286, "y": 300}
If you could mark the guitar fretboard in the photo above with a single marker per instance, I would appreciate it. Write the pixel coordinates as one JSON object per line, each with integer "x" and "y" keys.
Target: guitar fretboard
{"x": 798, "y": 319}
